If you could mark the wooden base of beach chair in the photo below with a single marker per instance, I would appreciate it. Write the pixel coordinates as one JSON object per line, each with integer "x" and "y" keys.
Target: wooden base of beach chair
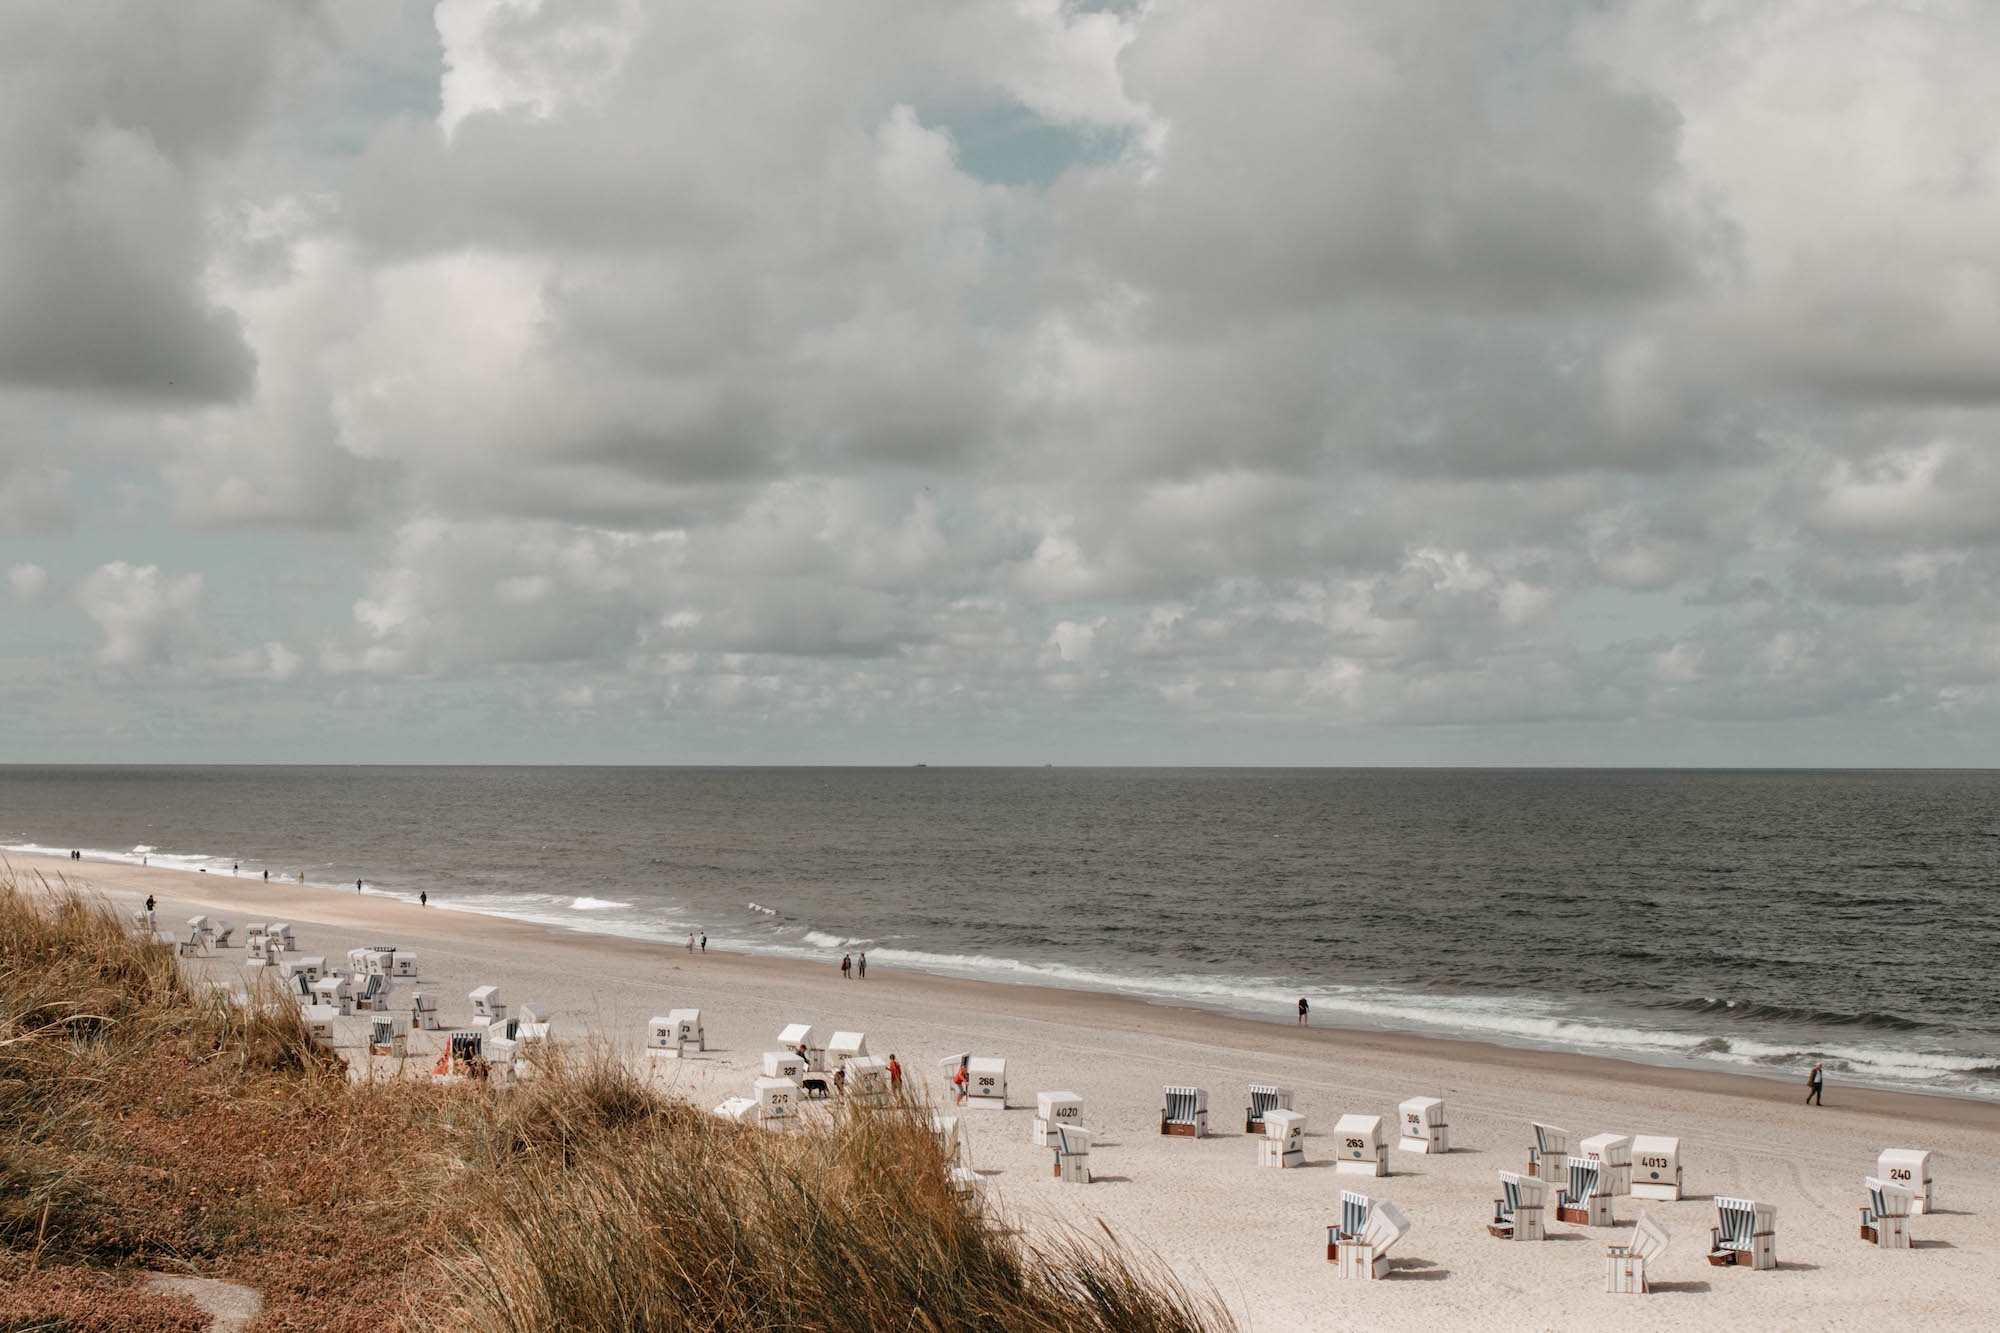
{"x": 1184, "y": 1131}
{"x": 1594, "y": 1213}
{"x": 1370, "y": 1167}
{"x": 1359, "y": 1260}
{"x": 1889, "y": 1233}
{"x": 1625, "y": 1275}
{"x": 987, "y": 1103}
{"x": 1497, "y": 1230}
{"x": 1437, "y": 1145}
{"x": 1668, "y": 1193}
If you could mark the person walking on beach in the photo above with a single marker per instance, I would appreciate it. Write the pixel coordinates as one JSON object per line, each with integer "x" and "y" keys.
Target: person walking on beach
{"x": 704, "y": 944}
{"x": 267, "y": 877}
{"x": 1815, "y": 1082}
{"x": 895, "y": 1076}
{"x": 690, "y": 944}
{"x": 846, "y": 966}
{"x": 149, "y": 910}
{"x": 423, "y": 897}
{"x": 357, "y": 886}
{"x": 1302, "y": 1010}
{"x": 961, "y": 1083}
{"x": 861, "y": 968}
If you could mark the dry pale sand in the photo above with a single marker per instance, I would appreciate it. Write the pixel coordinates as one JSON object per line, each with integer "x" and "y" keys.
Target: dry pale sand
{"x": 1256, "y": 1235}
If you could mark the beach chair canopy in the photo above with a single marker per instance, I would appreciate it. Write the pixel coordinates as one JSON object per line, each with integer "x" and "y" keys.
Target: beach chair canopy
{"x": 1649, "y": 1238}
{"x": 1072, "y": 1139}
{"x": 1551, "y": 1138}
{"x": 1354, "y": 1209}
{"x": 1386, "y": 1226}
{"x": 1183, "y": 1103}
{"x": 1888, "y": 1200}
{"x": 1267, "y": 1097}
{"x": 797, "y": 1034}
{"x": 1582, "y": 1180}
{"x": 1735, "y": 1223}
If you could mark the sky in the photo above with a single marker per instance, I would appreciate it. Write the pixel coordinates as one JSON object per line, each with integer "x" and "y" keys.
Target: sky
{"x": 1174, "y": 382}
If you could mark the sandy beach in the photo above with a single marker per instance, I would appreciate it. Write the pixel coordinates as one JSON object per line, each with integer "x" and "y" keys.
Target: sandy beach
{"x": 1255, "y": 1236}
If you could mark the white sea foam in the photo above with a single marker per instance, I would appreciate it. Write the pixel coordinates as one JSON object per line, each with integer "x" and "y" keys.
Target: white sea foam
{"x": 759, "y": 907}
{"x": 588, "y": 904}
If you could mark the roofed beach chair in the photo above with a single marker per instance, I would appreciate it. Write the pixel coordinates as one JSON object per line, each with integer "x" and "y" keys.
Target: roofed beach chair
{"x": 800, "y": 1037}
{"x": 371, "y": 993}
{"x": 784, "y": 1064}
{"x": 1911, "y": 1169}
{"x": 335, "y": 991}
{"x": 1424, "y": 1129}
{"x": 962, "y": 1181}
{"x": 319, "y": 1022}
{"x": 1745, "y": 1232}
{"x": 423, "y": 1011}
{"x": 740, "y": 1110}
{"x": 405, "y": 963}
{"x": 844, "y": 1046}
{"x": 1353, "y": 1222}
{"x": 986, "y": 1085}
{"x": 223, "y": 930}
{"x": 1284, "y": 1141}
{"x": 464, "y": 1054}
{"x": 486, "y": 1003}
{"x": 1053, "y": 1109}
{"x": 1185, "y": 1112}
{"x": 1656, "y": 1167}
{"x": 1583, "y": 1200}
{"x": 1625, "y": 1264}
{"x": 666, "y": 1039}
{"x": 1361, "y": 1146}
{"x": 1548, "y": 1160}
{"x": 1264, "y": 1097}
{"x": 1517, "y": 1213}
{"x": 1614, "y": 1159}
{"x": 281, "y": 932}
{"x": 192, "y": 946}
{"x": 1885, "y": 1218}
{"x": 777, "y": 1103}
{"x": 689, "y": 1023}
{"x": 946, "y": 1129}
{"x": 1072, "y": 1150}
{"x": 384, "y": 1039}
{"x": 201, "y": 924}
{"x": 868, "y": 1080}
{"x": 532, "y": 1028}
{"x": 1367, "y": 1256}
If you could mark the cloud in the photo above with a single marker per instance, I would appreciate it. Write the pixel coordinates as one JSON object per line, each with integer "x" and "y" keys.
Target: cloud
{"x": 27, "y": 584}
{"x": 681, "y": 369}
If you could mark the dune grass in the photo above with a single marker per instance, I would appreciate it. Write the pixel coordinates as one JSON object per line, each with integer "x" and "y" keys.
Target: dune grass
{"x": 147, "y": 1124}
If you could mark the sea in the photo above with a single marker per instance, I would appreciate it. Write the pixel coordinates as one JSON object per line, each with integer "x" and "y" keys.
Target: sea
{"x": 1735, "y": 920}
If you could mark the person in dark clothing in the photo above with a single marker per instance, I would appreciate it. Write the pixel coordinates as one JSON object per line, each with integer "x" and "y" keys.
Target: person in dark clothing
{"x": 1302, "y": 1011}
{"x": 704, "y": 944}
{"x": 861, "y": 968}
{"x": 1815, "y": 1083}
{"x": 423, "y": 897}
{"x": 846, "y": 966}
{"x": 267, "y": 877}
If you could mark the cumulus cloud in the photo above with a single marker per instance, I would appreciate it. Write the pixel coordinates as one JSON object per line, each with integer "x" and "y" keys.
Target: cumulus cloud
{"x": 27, "y": 584}
{"x": 1414, "y": 367}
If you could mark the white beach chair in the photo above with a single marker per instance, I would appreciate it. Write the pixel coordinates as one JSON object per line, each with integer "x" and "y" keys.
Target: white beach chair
{"x": 1548, "y": 1160}
{"x": 1582, "y": 1200}
{"x": 1264, "y": 1097}
{"x": 1424, "y": 1128}
{"x": 665, "y": 1038}
{"x": 777, "y": 1103}
{"x": 1185, "y": 1112}
{"x": 784, "y": 1064}
{"x": 335, "y": 992}
{"x": 739, "y": 1110}
{"x": 143, "y": 919}
{"x": 1072, "y": 1151}
{"x": 384, "y": 1039}
{"x": 223, "y": 930}
{"x": 987, "y": 1087}
{"x": 319, "y": 1022}
{"x": 691, "y": 1030}
{"x": 1885, "y": 1218}
{"x": 1353, "y": 1223}
{"x": 1656, "y": 1167}
{"x": 280, "y": 932}
{"x": 357, "y": 960}
{"x": 1909, "y": 1168}
{"x": 200, "y": 925}
{"x": 311, "y": 966}
{"x": 423, "y": 1012}
{"x": 1053, "y": 1109}
{"x": 800, "y": 1037}
{"x": 1361, "y": 1146}
{"x": 946, "y": 1129}
{"x": 486, "y": 1003}
{"x": 963, "y": 1182}
{"x": 1625, "y": 1264}
{"x": 371, "y": 993}
{"x": 1284, "y": 1140}
{"x": 867, "y": 1080}
{"x": 1517, "y": 1213}
{"x": 1613, "y": 1154}
{"x": 1368, "y": 1255}
{"x": 191, "y": 947}
{"x": 1745, "y": 1232}
{"x": 844, "y": 1046}
{"x": 405, "y": 963}
{"x": 464, "y": 1053}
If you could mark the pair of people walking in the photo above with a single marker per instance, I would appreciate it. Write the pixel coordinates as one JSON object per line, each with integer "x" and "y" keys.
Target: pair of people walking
{"x": 847, "y": 967}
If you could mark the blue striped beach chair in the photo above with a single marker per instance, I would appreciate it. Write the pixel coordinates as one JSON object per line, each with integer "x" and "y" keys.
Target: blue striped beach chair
{"x": 1185, "y": 1112}
{"x": 1548, "y": 1159}
{"x": 1745, "y": 1232}
{"x": 1584, "y": 1200}
{"x": 1264, "y": 1097}
{"x": 1517, "y": 1213}
{"x": 1885, "y": 1220}
{"x": 1354, "y": 1210}
{"x": 1368, "y": 1256}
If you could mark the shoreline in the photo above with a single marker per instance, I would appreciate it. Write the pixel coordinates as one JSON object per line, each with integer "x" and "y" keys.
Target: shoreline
{"x": 328, "y": 906}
